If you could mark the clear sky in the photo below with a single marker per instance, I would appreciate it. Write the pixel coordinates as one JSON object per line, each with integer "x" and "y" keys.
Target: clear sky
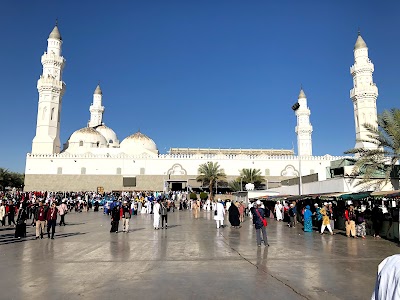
{"x": 210, "y": 74}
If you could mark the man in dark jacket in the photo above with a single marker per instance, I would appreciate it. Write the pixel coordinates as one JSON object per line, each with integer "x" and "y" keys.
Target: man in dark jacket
{"x": 51, "y": 220}
{"x": 164, "y": 214}
{"x": 258, "y": 216}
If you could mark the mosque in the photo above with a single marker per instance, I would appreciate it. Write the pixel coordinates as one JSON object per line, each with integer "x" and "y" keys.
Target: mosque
{"x": 93, "y": 158}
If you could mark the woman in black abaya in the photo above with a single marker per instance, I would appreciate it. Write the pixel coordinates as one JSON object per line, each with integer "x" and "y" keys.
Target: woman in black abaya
{"x": 234, "y": 216}
{"x": 20, "y": 227}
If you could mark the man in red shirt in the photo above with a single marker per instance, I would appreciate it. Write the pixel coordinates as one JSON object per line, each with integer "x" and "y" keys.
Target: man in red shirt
{"x": 51, "y": 220}
{"x": 40, "y": 217}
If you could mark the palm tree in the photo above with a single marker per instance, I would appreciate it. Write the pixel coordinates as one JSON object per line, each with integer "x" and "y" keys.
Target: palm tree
{"x": 234, "y": 185}
{"x": 251, "y": 175}
{"x": 378, "y": 165}
{"x": 210, "y": 172}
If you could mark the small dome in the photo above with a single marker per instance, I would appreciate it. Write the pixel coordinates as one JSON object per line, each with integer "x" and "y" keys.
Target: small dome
{"x": 360, "y": 43}
{"x": 98, "y": 91}
{"x": 109, "y": 134}
{"x": 302, "y": 94}
{"x": 86, "y": 138}
{"x": 138, "y": 142}
{"x": 55, "y": 34}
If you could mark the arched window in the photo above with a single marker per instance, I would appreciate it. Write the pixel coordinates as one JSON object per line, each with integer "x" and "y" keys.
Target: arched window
{"x": 80, "y": 143}
{"x": 110, "y": 141}
{"x": 98, "y": 144}
{"x": 52, "y": 113}
{"x": 44, "y": 112}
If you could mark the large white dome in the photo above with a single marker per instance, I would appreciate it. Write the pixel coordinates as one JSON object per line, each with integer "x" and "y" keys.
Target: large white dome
{"x": 109, "y": 134}
{"x": 84, "y": 139}
{"x": 138, "y": 143}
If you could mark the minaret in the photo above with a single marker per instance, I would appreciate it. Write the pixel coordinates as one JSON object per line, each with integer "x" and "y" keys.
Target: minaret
{"x": 51, "y": 88}
{"x": 96, "y": 109}
{"x": 303, "y": 128}
{"x": 363, "y": 94}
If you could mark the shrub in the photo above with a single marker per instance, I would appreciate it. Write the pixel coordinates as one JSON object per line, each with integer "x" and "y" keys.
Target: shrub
{"x": 193, "y": 196}
{"x": 203, "y": 196}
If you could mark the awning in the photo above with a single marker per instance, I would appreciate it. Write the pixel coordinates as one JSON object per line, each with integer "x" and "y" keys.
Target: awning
{"x": 386, "y": 194}
{"x": 355, "y": 196}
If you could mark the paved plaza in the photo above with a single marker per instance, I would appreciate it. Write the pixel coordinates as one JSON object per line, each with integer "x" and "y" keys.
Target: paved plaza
{"x": 190, "y": 260}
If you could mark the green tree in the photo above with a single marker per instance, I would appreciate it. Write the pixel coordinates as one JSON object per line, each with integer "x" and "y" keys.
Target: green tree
{"x": 209, "y": 173}
{"x": 10, "y": 179}
{"x": 377, "y": 166}
{"x": 234, "y": 185}
{"x": 251, "y": 175}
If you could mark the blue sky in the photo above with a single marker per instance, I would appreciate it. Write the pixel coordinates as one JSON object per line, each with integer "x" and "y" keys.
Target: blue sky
{"x": 211, "y": 74}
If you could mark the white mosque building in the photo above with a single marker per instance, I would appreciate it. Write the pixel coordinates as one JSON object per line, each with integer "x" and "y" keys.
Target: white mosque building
{"x": 93, "y": 157}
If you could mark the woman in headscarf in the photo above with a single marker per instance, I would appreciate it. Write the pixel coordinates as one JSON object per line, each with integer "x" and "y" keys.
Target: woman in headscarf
{"x": 234, "y": 216}
{"x": 308, "y": 219}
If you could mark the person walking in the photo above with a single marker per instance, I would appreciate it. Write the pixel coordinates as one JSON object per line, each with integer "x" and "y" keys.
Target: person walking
{"x": 325, "y": 219}
{"x": 242, "y": 209}
{"x": 308, "y": 219}
{"x": 40, "y": 217}
{"x": 350, "y": 217}
{"x": 258, "y": 217}
{"x": 219, "y": 213}
{"x": 234, "y": 215}
{"x": 126, "y": 216}
{"x": 317, "y": 217}
{"x": 11, "y": 214}
{"x": 292, "y": 216}
{"x": 278, "y": 211}
{"x": 20, "y": 228}
{"x": 115, "y": 217}
{"x": 51, "y": 220}
{"x": 164, "y": 214}
{"x": 2, "y": 214}
{"x": 62, "y": 210}
{"x": 156, "y": 213}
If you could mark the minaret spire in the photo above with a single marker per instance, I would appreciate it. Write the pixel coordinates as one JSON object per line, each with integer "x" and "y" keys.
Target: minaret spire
{"x": 363, "y": 94}
{"x": 97, "y": 108}
{"x": 51, "y": 89}
{"x": 303, "y": 128}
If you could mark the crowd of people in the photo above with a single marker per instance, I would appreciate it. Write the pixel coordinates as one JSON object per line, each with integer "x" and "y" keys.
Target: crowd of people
{"x": 43, "y": 209}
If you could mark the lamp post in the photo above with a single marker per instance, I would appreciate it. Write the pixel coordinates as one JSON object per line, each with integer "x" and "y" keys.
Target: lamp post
{"x": 295, "y": 107}
{"x": 241, "y": 183}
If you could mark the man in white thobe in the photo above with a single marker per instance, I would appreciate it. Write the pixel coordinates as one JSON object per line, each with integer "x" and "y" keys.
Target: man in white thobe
{"x": 220, "y": 214}
{"x": 156, "y": 213}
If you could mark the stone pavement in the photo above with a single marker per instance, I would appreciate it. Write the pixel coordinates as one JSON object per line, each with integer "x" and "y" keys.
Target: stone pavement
{"x": 190, "y": 260}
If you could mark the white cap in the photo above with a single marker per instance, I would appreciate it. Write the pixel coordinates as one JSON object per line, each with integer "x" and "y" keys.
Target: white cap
{"x": 315, "y": 204}
{"x": 258, "y": 202}
{"x": 325, "y": 203}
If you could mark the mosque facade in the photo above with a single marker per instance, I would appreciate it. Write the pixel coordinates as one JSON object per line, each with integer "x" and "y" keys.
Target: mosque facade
{"x": 93, "y": 158}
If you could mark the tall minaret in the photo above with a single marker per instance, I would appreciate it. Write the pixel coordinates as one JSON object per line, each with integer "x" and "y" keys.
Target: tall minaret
{"x": 96, "y": 109}
{"x": 303, "y": 128}
{"x": 363, "y": 94}
{"x": 51, "y": 88}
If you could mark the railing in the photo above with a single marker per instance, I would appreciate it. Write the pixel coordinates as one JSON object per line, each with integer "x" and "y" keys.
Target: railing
{"x": 185, "y": 156}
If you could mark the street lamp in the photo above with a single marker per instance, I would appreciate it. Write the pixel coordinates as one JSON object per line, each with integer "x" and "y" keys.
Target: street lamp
{"x": 295, "y": 107}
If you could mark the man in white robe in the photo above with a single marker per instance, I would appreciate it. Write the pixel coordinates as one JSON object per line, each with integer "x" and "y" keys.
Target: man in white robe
{"x": 278, "y": 211}
{"x": 220, "y": 214}
{"x": 387, "y": 284}
{"x": 156, "y": 214}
